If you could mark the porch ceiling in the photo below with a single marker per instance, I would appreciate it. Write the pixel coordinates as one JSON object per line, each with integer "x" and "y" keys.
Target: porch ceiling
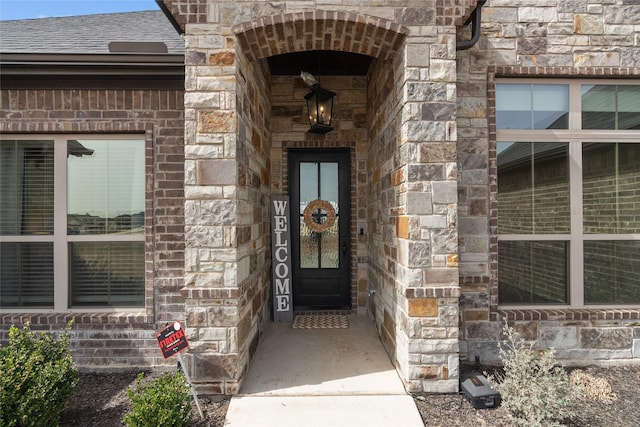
{"x": 320, "y": 62}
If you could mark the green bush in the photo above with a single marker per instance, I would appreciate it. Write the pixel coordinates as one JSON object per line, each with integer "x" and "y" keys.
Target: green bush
{"x": 534, "y": 389}
{"x": 163, "y": 402}
{"x": 38, "y": 377}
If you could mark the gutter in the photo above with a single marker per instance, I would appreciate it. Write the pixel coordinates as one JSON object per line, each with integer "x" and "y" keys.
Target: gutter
{"x": 163, "y": 7}
{"x": 475, "y": 21}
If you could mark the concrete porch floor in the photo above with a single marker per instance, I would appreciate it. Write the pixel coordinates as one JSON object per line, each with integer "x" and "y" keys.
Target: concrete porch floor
{"x": 322, "y": 377}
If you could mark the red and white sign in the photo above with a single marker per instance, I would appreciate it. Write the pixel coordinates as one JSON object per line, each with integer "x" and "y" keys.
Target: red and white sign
{"x": 172, "y": 340}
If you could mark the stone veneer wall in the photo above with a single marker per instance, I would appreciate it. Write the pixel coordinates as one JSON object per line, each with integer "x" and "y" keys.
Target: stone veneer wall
{"x": 227, "y": 267}
{"x": 384, "y": 95}
{"x": 253, "y": 193}
{"x": 578, "y": 39}
{"x": 413, "y": 202}
{"x": 118, "y": 340}
{"x": 418, "y": 224}
{"x": 215, "y": 130}
{"x": 413, "y": 250}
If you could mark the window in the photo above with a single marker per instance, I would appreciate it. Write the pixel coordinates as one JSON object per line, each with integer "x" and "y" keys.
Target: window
{"x": 568, "y": 157}
{"x": 71, "y": 222}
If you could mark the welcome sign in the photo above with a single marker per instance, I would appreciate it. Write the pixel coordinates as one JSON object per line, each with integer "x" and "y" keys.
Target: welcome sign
{"x": 281, "y": 259}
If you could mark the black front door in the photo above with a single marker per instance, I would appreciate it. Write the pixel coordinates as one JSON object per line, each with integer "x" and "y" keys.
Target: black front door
{"x": 319, "y": 188}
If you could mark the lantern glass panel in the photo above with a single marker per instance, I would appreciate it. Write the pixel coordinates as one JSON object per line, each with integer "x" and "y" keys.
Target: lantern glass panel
{"x": 319, "y": 107}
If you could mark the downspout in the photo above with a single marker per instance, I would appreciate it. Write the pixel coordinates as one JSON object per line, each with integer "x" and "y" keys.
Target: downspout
{"x": 475, "y": 20}
{"x": 163, "y": 7}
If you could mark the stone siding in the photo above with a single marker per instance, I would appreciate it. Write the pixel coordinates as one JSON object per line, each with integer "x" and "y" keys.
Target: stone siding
{"x": 118, "y": 340}
{"x": 576, "y": 39}
{"x": 578, "y": 338}
{"x": 412, "y": 204}
{"x": 403, "y": 162}
{"x": 227, "y": 186}
{"x": 420, "y": 129}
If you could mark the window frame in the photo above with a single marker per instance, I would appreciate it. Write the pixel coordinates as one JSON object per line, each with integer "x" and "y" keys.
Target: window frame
{"x": 575, "y": 136}
{"x": 60, "y": 237}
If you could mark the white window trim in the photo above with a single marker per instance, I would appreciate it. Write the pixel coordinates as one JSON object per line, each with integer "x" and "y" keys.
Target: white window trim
{"x": 60, "y": 244}
{"x": 575, "y": 136}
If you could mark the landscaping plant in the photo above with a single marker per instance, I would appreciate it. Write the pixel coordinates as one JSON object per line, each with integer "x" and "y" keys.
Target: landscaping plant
{"x": 534, "y": 389}
{"x": 165, "y": 401}
{"x": 38, "y": 377}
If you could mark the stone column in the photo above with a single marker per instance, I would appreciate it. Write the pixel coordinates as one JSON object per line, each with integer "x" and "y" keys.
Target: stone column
{"x": 426, "y": 226}
{"x": 211, "y": 210}
{"x": 227, "y": 261}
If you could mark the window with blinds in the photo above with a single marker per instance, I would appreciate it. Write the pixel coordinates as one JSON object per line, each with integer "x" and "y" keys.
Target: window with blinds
{"x": 106, "y": 273}
{"x": 26, "y": 187}
{"x": 73, "y": 238}
{"x": 26, "y": 274}
{"x": 26, "y": 209}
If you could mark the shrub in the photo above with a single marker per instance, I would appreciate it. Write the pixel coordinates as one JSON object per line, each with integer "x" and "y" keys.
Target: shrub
{"x": 534, "y": 389}
{"x": 163, "y": 402}
{"x": 38, "y": 377}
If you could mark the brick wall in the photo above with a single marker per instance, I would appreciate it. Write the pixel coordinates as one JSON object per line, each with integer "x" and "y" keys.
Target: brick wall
{"x": 114, "y": 339}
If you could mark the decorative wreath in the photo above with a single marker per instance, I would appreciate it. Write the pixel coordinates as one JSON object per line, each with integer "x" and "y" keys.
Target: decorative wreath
{"x": 310, "y": 220}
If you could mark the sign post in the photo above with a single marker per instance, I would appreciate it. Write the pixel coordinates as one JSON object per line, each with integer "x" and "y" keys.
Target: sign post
{"x": 172, "y": 340}
{"x": 281, "y": 259}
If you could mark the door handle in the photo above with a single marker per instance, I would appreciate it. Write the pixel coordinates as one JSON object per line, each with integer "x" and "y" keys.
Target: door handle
{"x": 344, "y": 249}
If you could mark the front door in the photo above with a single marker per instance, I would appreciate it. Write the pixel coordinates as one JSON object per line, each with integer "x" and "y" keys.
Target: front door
{"x": 320, "y": 190}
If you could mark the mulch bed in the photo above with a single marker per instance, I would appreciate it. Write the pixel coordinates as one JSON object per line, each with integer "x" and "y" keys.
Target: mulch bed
{"x": 100, "y": 400}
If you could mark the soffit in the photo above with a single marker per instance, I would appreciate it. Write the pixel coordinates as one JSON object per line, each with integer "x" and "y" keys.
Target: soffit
{"x": 320, "y": 62}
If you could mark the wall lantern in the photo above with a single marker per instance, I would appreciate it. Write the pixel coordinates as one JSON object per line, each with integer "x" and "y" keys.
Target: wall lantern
{"x": 319, "y": 105}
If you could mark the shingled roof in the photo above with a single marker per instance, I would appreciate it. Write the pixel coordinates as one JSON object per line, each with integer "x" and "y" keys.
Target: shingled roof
{"x": 88, "y": 34}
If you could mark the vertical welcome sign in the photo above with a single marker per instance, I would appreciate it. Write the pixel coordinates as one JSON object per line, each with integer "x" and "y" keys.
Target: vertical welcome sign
{"x": 281, "y": 259}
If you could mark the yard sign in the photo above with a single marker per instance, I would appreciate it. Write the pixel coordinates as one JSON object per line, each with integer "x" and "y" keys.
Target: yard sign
{"x": 172, "y": 340}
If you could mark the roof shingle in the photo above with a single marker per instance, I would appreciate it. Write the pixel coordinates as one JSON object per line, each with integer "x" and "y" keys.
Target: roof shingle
{"x": 89, "y": 34}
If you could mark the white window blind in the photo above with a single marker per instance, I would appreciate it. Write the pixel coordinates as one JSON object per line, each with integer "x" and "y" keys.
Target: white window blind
{"x": 72, "y": 222}
{"x": 26, "y": 209}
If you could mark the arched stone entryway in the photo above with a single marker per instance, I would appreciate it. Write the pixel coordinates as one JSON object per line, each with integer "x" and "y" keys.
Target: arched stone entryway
{"x": 398, "y": 121}
{"x": 320, "y": 30}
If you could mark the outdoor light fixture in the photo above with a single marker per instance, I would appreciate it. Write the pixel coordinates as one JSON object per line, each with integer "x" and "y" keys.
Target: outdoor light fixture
{"x": 319, "y": 105}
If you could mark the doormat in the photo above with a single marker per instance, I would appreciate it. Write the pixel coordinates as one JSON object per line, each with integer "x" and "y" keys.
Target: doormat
{"x": 320, "y": 321}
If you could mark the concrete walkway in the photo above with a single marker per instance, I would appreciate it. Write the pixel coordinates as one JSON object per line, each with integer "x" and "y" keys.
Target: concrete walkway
{"x": 324, "y": 378}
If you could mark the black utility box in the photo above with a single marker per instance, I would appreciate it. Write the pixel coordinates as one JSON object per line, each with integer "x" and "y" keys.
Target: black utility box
{"x": 479, "y": 393}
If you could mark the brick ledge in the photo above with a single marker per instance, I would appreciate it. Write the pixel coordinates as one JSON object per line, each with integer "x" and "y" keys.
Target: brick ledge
{"x": 433, "y": 292}
{"x": 195, "y": 292}
{"x": 569, "y": 314}
{"x": 124, "y": 318}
